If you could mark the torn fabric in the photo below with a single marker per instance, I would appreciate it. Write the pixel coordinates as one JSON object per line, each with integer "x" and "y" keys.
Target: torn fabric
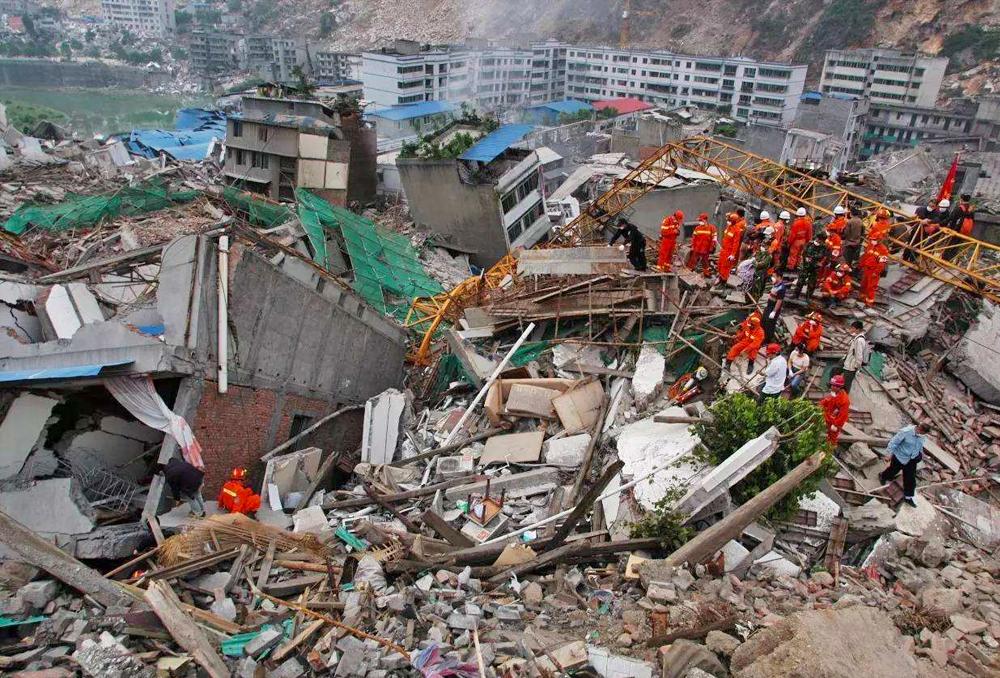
{"x": 138, "y": 395}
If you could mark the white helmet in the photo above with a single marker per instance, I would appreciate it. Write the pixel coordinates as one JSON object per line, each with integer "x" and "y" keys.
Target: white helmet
{"x": 784, "y": 216}
{"x": 765, "y": 215}
{"x": 839, "y": 209}
{"x": 801, "y": 212}
{"x": 944, "y": 203}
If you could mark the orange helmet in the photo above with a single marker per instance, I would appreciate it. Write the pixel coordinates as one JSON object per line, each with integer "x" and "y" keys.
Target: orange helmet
{"x": 814, "y": 316}
{"x": 703, "y": 216}
{"x": 754, "y": 318}
{"x": 238, "y": 473}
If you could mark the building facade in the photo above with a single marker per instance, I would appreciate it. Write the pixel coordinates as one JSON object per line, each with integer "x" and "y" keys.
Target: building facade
{"x": 885, "y": 76}
{"x": 409, "y": 73}
{"x": 215, "y": 53}
{"x": 327, "y": 66}
{"x": 895, "y": 127}
{"x": 145, "y": 17}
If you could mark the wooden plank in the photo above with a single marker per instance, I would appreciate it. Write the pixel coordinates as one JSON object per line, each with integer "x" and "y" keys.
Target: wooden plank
{"x": 282, "y": 652}
{"x": 184, "y": 630}
{"x": 588, "y": 457}
{"x": 321, "y": 474}
{"x": 154, "y": 527}
{"x": 581, "y": 509}
{"x": 447, "y": 532}
{"x": 265, "y": 566}
{"x": 236, "y": 571}
{"x": 404, "y": 496}
{"x": 835, "y": 545}
{"x": 292, "y": 586}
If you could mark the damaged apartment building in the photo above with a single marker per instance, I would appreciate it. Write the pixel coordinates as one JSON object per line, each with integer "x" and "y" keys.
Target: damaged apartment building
{"x": 277, "y": 145}
{"x": 224, "y": 340}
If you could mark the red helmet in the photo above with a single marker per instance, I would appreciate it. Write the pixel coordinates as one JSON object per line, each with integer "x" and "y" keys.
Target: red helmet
{"x": 814, "y": 316}
{"x": 837, "y": 381}
{"x": 703, "y": 216}
{"x": 238, "y": 473}
{"x": 678, "y": 215}
{"x": 773, "y": 349}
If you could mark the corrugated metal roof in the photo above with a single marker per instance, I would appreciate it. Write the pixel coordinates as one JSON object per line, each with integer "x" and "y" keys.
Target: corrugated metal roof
{"x": 73, "y": 372}
{"x": 623, "y": 105}
{"x": 411, "y": 111}
{"x": 564, "y": 106}
{"x": 493, "y": 144}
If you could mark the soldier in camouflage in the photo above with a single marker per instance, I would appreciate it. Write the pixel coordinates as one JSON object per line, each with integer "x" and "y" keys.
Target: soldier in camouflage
{"x": 812, "y": 260}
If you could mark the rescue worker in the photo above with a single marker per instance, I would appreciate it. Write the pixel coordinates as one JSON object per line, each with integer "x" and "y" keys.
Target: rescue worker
{"x": 834, "y": 248}
{"x": 636, "y": 243}
{"x": 800, "y": 233}
{"x": 670, "y": 228}
{"x": 732, "y": 236}
{"x": 812, "y": 260}
{"x": 931, "y": 218}
{"x": 872, "y": 263}
{"x": 775, "y": 302}
{"x": 747, "y": 341}
{"x": 839, "y": 221}
{"x": 703, "y": 241}
{"x": 779, "y": 242}
{"x": 836, "y": 408}
{"x": 879, "y": 230}
{"x": 762, "y": 262}
{"x": 809, "y": 333}
{"x": 838, "y": 285}
{"x": 963, "y": 217}
{"x": 236, "y": 497}
{"x": 853, "y": 236}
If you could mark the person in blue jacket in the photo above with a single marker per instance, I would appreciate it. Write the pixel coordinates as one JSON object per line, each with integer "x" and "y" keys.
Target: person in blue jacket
{"x": 906, "y": 449}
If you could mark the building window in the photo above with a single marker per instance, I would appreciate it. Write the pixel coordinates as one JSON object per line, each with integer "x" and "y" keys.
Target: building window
{"x": 237, "y": 128}
{"x": 259, "y": 160}
{"x": 261, "y": 133}
{"x": 241, "y": 157}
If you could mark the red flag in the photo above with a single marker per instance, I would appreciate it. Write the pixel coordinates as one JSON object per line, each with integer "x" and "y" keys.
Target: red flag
{"x": 949, "y": 181}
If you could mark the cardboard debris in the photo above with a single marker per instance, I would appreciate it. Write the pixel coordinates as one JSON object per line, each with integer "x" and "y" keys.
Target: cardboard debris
{"x": 513, "y": 448}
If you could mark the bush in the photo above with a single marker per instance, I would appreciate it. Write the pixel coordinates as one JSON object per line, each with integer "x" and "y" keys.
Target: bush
{"x": 843, "y": 23}
{"x": 663, "y": 523}
{"x": 739, "y": 418}
{"x": 970, "y": 45}
{"x": 24, "y": 116}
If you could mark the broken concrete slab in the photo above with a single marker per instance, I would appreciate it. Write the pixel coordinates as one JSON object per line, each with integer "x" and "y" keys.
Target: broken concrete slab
{"x": 102, "y": 450}
{"x": 478, "y": 367}
{"x": 869, "y": 520}
{"x": 567, "y": 451}
{"x": 647, "y": 445}
{"x": 579, "y": 407}
{"x": 974, "y": 362}
{"x": 609, "y": 665}
{"x": 513, "y": 448}
{"x": 536, "y": 481}
{"x": 648, "y": 380}
{"x": 130, "y": 429}
{"x": 21, "y": 430}
{"x": 776, "y": 564}
{"x": 55, "y": 506}
{"x": 382, "y": 422}
{"x": 707, "y": 487}
{"x": 571, "y": 261}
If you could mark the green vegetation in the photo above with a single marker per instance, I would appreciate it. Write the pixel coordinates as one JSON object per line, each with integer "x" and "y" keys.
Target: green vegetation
{"x": 243, "y": 86}
{"x": 971, "y": 45}
{"x": 739, "y": 418}
{"x": 843, "y": 23}
{"x": 663, "y": 523}
{"x": 207, "y": 18}
{"x": 134, "y": 56}
{"x": 183, "y": 20}
{"x": 726, "y": 129}
{"x": 431, "y": 150}
{"x": 24, "y": 116}
{"x": 579, "y": 116}
{"x": 327, "y": 23}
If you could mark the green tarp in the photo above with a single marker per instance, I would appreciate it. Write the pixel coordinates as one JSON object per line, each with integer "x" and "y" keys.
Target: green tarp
{"x": 79, "y": 211}
{"x": 259, "y": 212}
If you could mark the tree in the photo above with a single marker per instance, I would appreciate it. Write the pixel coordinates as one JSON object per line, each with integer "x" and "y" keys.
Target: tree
{"x": 183, "y": 21}
{"x": 89, "y": 35}
{"x": 306, "y": 88}
{"x": 327, "y": 23}
{"x": 29, "y": 26}
{"x": 738, "y": 418}
{"x": 66, "y": 50}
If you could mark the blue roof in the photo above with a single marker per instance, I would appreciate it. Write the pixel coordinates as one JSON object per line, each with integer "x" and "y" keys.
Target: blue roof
{"x": 411, "y": 111}
{"x": 59, "y": 372}
{"x": 195, "y": 129}
{"x": 493, "y": 144}
{"x": 811, "y": 96}
{"x": 564, "y": 106}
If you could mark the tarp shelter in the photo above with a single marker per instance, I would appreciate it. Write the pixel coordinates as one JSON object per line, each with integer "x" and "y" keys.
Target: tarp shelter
{"x": 195, "y": 130}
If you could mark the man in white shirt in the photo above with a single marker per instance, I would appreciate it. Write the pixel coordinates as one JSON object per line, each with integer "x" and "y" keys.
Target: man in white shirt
{"x": 776, "y": 372}
{"x": 857, "y": 353}
{"x": 798, "y": 368}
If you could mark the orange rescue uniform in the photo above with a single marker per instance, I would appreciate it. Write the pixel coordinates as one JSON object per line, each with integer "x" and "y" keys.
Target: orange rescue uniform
{"x": 833, "y": 248}
{"x": 872, "y": 263}
{"x": 809, "y": 333}
{"x": 880, "y": 229}
{"x": 236, "y": 497}
{"x": 837, "y": 285}
{"x": 731, "y": 239}
{"x": 702, "y": 246}
{"x": 801, "y": 233}
{"x": 749, "y": 337}
{"x": 836, "y": 408}
{"x": 669, "y": 230}
{"x": 837, "y": 225}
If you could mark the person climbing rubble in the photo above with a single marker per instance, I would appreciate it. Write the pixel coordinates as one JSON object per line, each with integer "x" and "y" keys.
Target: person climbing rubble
{"x": 670, "y": 229}
{"x": 809, "y": 333}
{"x": 635, "y": 243}
{"x": 906, "y": 449}
{"x": 836, "y": 408}
{"x": 236, "y": 497}
{"x": 747, "y": 341}
{"x": 732, "y": 236}
{"x": 799, "y": 234}
{"x": 703, "y": 241}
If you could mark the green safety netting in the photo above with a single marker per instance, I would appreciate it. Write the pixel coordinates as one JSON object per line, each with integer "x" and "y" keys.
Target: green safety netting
{"x": 688, "y": 359}
{"x": 449, "y": 370}
{"x": 260, "y": 212}
{"x": 385, "y": 264}
{"x": 81, "y": 211}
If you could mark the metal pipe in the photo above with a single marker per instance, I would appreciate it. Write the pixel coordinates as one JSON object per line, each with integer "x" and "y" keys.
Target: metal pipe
{"x": 489, "y": 382}
{"x": 223, "y": 315}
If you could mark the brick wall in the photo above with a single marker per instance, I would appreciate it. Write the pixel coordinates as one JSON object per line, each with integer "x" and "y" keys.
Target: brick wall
{"x": 235, "y": 428}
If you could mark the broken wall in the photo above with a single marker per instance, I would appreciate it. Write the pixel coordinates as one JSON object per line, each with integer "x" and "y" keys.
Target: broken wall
{"x": 649, "y": 210}
{"x": 468, "y": 215}
{"x": 974, "y": 360}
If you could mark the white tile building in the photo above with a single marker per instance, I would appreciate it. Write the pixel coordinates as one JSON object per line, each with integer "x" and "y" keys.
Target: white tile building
{"x": 885, "y": 76}
{"x": 408, "y": 74}
{"x": 145, "y": 17}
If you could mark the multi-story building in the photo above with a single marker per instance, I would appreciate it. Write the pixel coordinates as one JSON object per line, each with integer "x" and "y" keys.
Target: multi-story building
{"x": 548, "y": 71}
{"x": 145, "y": 17}
{"x": 214, "y": 53}
{"x": 258, "y": 50}
{"x": 743, "y": 88}
{"x": 895, "y": 127}
{"x": 408, "y": 73}
{"x": 274, "y": 146}
{"x": 885, "y": 76}
{"x": 327, "y": 66}
{"x": 502, "y": 77}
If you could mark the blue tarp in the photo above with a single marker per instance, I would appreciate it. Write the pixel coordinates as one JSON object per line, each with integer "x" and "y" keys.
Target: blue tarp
{"x": 195, "y": 129}
{"x": 59, "y": 372}
{"x": 411, "y": 111}
{"x": 564, "y": 106}
{"x": 493, "y": 144}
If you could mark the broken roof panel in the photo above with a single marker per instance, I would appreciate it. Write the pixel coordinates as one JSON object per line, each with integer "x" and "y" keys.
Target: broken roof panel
{"x": 623, "y": 105}
{"x": 411, "y": 111}
{"x": 71, "y": 372}
{"x": 495, "y": 143}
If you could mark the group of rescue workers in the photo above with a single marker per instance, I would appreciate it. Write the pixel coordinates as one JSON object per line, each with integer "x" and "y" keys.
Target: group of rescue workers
{"x": 825, "y": 258}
